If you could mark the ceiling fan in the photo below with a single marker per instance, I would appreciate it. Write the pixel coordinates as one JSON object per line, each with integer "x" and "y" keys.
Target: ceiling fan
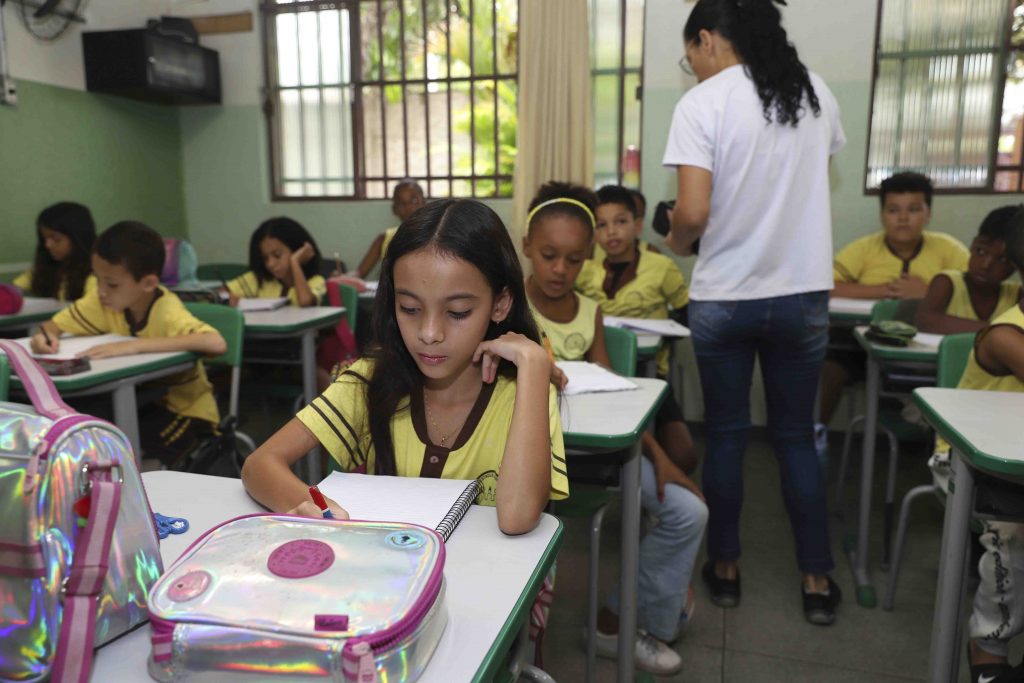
{"x": 48, "y": 19}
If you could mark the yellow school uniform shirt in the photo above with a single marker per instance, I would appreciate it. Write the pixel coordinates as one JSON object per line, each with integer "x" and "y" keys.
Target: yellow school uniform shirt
{"x": 340, "y": 421}
{"x": 649, "y": 286}
{"x": 960, "y": 301}
{"x": 247, "y": 285}
{"x": 642, "y": 245}
{"x": 571, "y": 340}
{"x": 24, "y": 282}
{"x": 870, "y": 261}
{"x": 978, "y": 378}
{"x": 189, "y": 393}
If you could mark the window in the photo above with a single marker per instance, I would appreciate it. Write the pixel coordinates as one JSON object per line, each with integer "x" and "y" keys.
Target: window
{"x": 364, "y": 93}
{"x": 616, "y": 58}
{"x": 948, "y": 93}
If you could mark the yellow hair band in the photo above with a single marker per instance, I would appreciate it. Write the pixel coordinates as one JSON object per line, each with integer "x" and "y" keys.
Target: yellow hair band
{"x": 562, "y": 200}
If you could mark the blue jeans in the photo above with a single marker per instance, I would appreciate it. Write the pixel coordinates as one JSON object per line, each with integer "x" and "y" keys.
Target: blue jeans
{"x": 788, "y": 334}
{"x": 667, "y": 554}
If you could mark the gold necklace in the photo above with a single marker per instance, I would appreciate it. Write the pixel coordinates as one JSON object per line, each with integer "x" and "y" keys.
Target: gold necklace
{"x": 430, "y": 416}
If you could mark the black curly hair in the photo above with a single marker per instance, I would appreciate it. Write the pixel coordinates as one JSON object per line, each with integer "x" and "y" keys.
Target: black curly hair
{"x": 754, "y": 27}
{"x": 554, "y": 189}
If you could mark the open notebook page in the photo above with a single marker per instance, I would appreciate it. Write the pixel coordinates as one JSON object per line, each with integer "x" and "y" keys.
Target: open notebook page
{"x": 589, "y": 378}
{"x": 70, "y": 346}
{"x": 262, "y": 304}
{"x": 666, "y": 328}
{"x": 394, "y": 499}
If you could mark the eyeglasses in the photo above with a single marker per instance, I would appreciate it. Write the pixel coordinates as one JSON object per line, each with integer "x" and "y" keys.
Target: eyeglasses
{"x": 684, "y": 64}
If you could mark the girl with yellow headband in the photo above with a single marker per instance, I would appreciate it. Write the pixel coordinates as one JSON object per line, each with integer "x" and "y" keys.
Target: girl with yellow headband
{"x": 560, "y": 228}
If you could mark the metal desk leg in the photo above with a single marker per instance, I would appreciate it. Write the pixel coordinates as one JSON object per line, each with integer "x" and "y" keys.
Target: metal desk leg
{"x": 630, "y": 561}
{"x": 126, "y": 416}
{"x": 943, "y": 665}
{"x": 309, "y": 393}
{"x": 861, "y": 569}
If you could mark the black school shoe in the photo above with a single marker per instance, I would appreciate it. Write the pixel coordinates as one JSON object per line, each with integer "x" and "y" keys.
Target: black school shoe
{"x": 820, "y": 609}
{"x": 724, "y": 592}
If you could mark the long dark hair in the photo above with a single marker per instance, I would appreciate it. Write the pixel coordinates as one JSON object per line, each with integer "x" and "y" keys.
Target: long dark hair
{"x": 754, "y": 27}
{"x": 48, "y": 275}
{"x": 459, "y": 228}
{"x": 293, "y": 235}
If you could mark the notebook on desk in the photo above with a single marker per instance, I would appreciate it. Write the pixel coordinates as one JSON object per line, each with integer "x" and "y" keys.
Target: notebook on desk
{"x": 590, "y": 378}
{"x": 438, "y": 504}
{"x": 252, "y": 305}
{"x": 666, "y": 327}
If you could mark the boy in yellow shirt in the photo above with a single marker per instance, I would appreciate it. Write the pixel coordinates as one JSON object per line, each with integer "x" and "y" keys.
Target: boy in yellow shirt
{"x": 897, "y": 262}
{"x": 127, "y": 261}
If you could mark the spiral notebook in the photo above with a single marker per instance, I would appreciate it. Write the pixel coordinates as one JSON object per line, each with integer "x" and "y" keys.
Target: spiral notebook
{"x": 438, "y": 504}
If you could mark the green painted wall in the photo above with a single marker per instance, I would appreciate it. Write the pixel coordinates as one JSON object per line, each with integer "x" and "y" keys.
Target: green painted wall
{"x": 227, "y": 191}
{"x": 121, "y": 158}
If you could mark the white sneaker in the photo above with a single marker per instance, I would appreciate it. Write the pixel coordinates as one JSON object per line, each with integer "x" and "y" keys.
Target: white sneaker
{"x": 651, "y": 654}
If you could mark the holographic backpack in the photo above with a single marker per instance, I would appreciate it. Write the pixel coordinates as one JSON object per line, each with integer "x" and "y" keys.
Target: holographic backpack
{"x": 78, "y": 546}
{"x": 271, "y": 597}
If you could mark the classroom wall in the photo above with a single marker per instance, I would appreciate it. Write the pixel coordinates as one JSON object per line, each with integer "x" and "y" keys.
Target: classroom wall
{"x": 121, "y": 158}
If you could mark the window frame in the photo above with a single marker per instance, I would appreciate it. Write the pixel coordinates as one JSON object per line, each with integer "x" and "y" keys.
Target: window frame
{"x": 269, "y": 9}
{"x": 1001, "y": 57}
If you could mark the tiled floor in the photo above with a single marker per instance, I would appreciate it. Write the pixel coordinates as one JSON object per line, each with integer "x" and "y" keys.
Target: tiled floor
{"x": 766, "y": 638}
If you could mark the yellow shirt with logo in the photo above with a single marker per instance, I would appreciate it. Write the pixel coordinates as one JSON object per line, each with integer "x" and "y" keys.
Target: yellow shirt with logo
{"x": 976, "y": 377}
{"x": 960, "y": 300}
{"x": 870, "y": 261}
{"x": 189, "y": 393}
{"x": 658, "y": 284}
{"x": 340, "y": 421}
{"x": 248, "y": 286}
{"x": 24, "y": 282}
{"x": 571, "y": 340}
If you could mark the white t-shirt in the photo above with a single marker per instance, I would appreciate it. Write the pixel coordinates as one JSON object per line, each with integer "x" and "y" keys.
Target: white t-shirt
{"x": 769, "y": 231}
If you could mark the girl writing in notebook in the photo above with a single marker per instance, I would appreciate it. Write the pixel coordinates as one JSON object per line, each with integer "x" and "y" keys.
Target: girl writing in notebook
{"x": 284, "y": 261}
{"x": 457, "y": 386}
{"x": 560, "y": 228}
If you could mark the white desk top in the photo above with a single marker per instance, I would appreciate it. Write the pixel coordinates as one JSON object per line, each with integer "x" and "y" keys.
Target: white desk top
{"x": 647, "y": 343}
{"x": 923, "y": 343}
{"x": 35, "y": 308}
{"x": 289, "y": 316}
{"x": 990, "y": 421}
{"x": 485, "y": 572}
{"x": 613, "y": 414}
{"x": 838, "y": 304}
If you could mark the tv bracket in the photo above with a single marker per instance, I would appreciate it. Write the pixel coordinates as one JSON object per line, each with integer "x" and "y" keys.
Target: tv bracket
{"x": 8, "y": 93}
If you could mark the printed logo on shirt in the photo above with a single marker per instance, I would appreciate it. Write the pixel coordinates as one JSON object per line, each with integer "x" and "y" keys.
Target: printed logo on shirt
{"x": 488, "y": 488}
{"x": 575, "y": 345}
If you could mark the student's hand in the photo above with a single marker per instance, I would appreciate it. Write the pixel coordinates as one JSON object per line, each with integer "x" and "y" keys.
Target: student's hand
{"x": 233, "y": 300}
{"x": 907, "y": 287}
{"x": 519, "y": 349}
{"x": 666, "y": 472}
{"x": 40, "y": 344}
{"x": 308, "y": 508}
{"x": 558, "y": 378}
{"x": 122, "y": 348}
{"x": 303, "y": 254}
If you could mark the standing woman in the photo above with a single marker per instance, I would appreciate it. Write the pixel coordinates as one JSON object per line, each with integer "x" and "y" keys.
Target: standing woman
{"x": 751, "y": 146}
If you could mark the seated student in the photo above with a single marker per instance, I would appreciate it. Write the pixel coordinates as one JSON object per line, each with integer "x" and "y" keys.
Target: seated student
{"x": 130, "y": 301}
{"x": 405, "y": 200}
{"x": 959, "y": 301}
{"x": 61, "y": 268}
{"x": 640, "y": 204}
{"x": 457, "y": 386}
{"x": 898, "y": 262}
{"x": 284, "y": 261}
{"x": 996, "y": 364}
{"x": 560, "y": 228}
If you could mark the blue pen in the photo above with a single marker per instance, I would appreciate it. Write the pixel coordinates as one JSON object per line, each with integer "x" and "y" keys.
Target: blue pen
{"x": 321, "y": 502}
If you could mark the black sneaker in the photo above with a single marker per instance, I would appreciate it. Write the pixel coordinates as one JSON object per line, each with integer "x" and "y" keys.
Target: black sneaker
{"x": 724, "y": 592}
{"x": 820, "y": 609}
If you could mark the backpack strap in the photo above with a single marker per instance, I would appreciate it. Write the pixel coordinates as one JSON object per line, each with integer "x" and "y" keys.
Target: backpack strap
{"x": 38, "y": 385}
{"x": 84, "y": 582}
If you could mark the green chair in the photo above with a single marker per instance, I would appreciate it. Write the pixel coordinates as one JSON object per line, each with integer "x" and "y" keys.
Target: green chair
{"x": 591, "y": 500}
{"x": 5, "y": 378}
{"x": 218, "y": 271}
{"x": 954, "y": 352}
{"x": 349, "y": 297}
{"x": 230, "y": 322}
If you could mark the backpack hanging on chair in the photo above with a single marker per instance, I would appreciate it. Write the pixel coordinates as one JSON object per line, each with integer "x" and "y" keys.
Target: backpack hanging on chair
{"x": 339, "y": 346}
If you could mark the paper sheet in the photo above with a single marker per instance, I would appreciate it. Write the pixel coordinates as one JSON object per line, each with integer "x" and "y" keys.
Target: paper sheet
{"x": 666, "y": 328}
{"x": 70, "y": 346}
{"x": 589, "y": 378}
{"x": 252, "y": 305}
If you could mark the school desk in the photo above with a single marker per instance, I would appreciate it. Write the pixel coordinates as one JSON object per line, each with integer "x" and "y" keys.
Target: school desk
{"x": 984, "y": 430}
{"x": 292, "y": 322}
{"x": 919, "y": 356}
{"x": 491, "y": 579}
{"x": 33, "y": 310}
{"x": 841, "y": 309}
{"x": 119, "y": 376}
{"x": 608, "y": 422}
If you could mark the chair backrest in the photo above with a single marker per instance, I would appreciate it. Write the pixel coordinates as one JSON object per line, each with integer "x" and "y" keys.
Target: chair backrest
{"x": 621, "y": 345}
{"x": 5, "y": 378}
{"x": 216, "y": 271}
{"x": 895, "y": 309}
{"x": 230, "y": 323}
{"x": 954, "y": 352}
{"x": 350, "y": 300}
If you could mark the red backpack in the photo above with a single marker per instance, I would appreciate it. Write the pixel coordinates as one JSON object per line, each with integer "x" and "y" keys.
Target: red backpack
{"x": 11, "y": 299}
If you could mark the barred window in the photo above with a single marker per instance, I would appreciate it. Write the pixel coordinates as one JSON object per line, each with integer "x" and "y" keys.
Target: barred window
{"x": 948, "y": 94}
{"x": 364, "y": 93}
{"x": 616, "y": 58}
